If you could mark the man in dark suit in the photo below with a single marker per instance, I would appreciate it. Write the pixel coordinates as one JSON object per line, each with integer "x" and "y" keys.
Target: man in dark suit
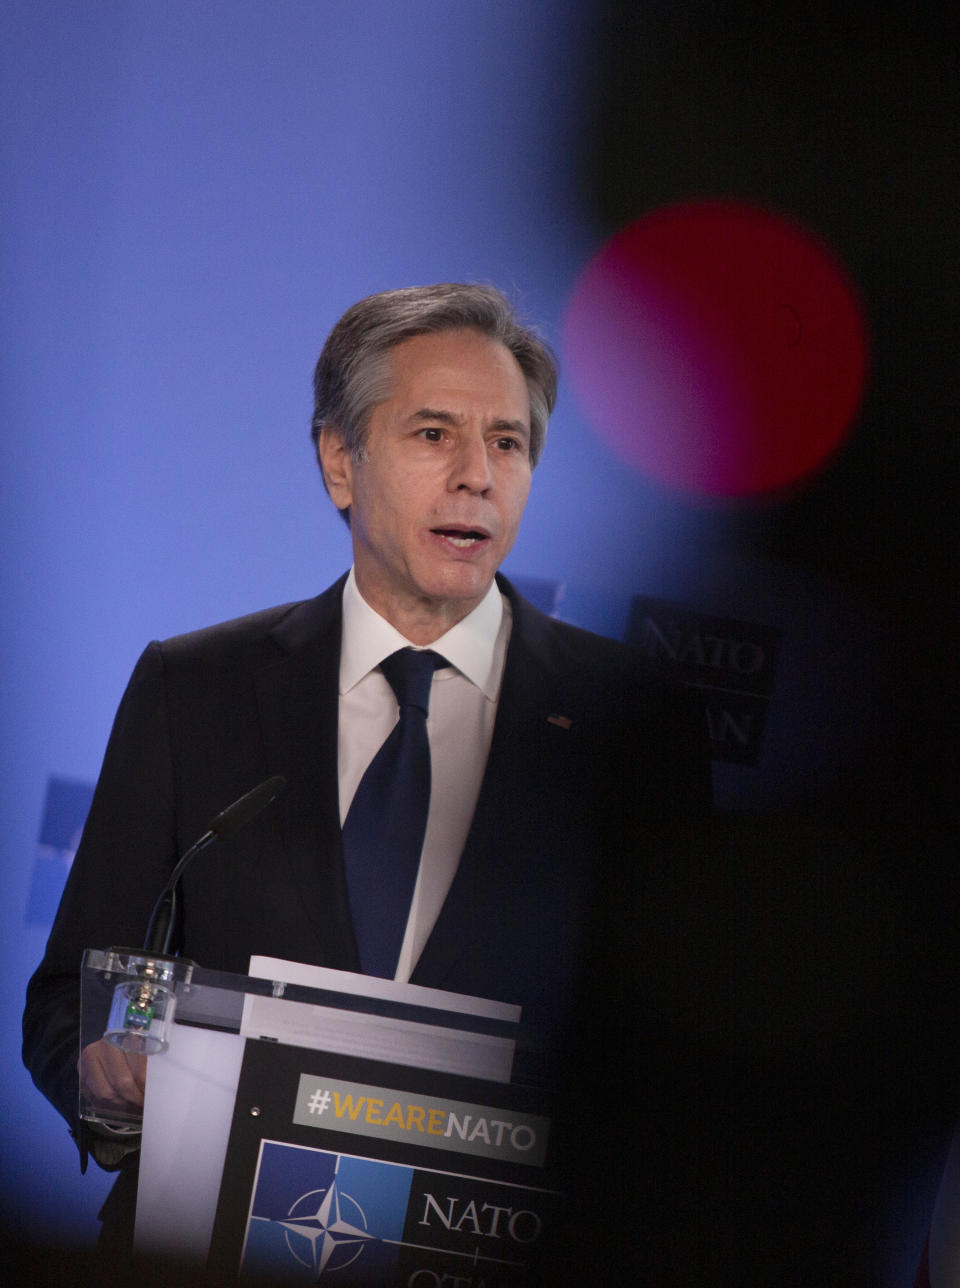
{"x": 557, "y": 759}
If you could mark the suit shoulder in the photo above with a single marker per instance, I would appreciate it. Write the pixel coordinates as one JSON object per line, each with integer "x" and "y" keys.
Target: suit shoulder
{"x": 589, "y": 644}
{"x": 575, "y": 648}
{"x": 620, "y": 671}
{"x": 223, "y": 638}
{"x": 258, "y": 636}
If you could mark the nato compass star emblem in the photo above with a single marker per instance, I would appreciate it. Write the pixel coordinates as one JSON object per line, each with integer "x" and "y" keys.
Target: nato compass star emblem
{"x": 326, "y": 1229}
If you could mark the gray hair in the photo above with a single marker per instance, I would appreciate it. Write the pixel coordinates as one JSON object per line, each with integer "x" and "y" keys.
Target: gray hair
{"x": 353, "y": 376}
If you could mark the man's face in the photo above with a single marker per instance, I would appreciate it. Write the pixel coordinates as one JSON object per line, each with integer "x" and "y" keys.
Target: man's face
{"x": 436, "y": 504}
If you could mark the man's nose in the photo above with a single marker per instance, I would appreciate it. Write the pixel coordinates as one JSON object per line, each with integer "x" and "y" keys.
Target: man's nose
{"x": 471, "y": 466}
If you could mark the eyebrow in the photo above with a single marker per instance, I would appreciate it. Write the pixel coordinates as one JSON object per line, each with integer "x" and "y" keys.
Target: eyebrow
{"x": 448, "y": 418}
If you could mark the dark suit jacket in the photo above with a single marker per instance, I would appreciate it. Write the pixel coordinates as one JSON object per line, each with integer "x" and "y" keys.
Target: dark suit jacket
{"x": 593, "y": 761}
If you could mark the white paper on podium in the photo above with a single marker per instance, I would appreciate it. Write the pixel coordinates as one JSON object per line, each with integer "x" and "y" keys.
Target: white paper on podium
{"x": 375, "y": 1037}
{"x": 191, "y": 1088}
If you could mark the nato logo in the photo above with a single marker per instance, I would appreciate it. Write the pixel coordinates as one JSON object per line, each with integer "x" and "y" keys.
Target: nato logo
{"x": 325, "y": 1218}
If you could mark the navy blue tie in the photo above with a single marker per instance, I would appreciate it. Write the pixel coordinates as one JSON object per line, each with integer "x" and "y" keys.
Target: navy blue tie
{"x": 385, "y": 825}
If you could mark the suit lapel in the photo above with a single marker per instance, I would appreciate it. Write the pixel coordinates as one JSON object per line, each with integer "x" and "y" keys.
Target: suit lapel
{"x": 298, "y": 704}
{"x": 527, "y": 755}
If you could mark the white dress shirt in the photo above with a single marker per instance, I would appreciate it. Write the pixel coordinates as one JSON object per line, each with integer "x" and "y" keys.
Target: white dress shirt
{"x": 463, "y": 706}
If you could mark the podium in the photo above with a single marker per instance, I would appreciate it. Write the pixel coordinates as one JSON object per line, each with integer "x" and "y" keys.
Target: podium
{"x": 359, "y": 1133}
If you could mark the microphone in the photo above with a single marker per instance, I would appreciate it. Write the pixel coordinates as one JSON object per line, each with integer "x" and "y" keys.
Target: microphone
{"x": 226, "y": 824}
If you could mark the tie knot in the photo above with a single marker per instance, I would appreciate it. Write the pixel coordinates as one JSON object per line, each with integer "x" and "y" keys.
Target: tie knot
{"x": 410, "y": 672}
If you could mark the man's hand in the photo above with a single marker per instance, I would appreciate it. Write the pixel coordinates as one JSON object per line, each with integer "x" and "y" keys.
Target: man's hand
{"x": 109, "y": 1076}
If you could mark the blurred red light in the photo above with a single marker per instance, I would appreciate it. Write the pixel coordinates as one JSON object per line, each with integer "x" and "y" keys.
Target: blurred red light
{"x": 718, "y": 348}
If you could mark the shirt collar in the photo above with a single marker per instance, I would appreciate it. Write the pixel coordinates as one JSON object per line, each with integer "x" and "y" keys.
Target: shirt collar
{"x": 470, "y": 646}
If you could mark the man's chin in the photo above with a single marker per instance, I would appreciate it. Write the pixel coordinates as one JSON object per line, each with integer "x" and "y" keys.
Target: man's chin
{"x": 458, "y": 588}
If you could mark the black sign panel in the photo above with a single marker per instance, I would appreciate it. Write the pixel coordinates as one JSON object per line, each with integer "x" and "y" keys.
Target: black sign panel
{"x": 730, "y": 662}
{"x": 357, "y": 1173}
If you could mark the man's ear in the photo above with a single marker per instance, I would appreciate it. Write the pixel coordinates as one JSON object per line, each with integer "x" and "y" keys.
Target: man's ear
{"x": 337, "y": 466}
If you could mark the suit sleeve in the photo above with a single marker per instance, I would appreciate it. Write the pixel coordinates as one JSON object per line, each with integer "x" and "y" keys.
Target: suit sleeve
{"x": 127, "y": 850}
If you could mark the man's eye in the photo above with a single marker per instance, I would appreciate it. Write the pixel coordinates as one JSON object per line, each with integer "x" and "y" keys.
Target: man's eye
{"x": 432, "y": 434}
{"x": 509, "y": 444}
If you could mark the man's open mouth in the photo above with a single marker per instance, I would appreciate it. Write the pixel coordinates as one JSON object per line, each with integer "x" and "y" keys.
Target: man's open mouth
{"x": 463, "y": 538}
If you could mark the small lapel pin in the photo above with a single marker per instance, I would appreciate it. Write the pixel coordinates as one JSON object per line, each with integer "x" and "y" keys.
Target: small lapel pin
{"x": 562, "y": 722}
